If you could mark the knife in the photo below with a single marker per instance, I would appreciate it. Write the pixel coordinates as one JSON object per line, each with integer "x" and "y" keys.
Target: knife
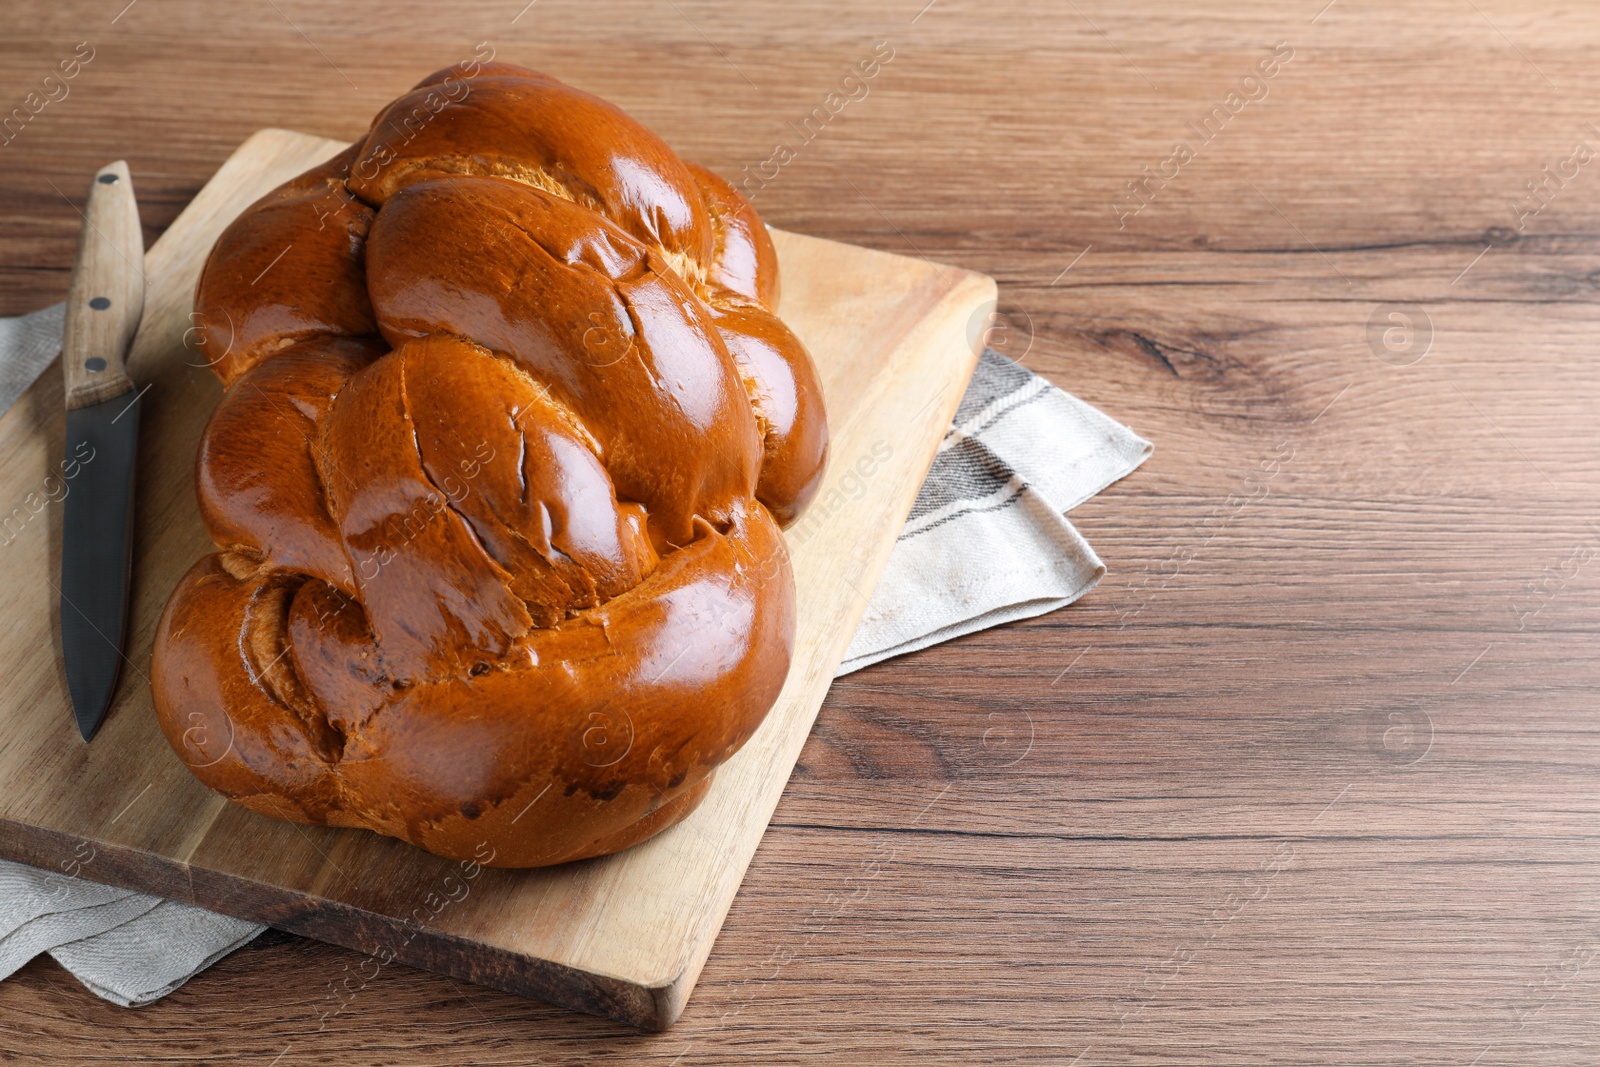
{"x": 103, "y": 310}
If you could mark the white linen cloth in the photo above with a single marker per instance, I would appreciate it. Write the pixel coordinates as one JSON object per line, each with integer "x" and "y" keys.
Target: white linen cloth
{"x": 987, "y": 540}
{"x": 986, "y": 543}
{"x": 28, "y": 344}
{"x": 126, "y": 947}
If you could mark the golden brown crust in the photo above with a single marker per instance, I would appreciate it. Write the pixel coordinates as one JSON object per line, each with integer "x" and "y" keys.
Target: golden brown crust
{"x": 290, "y": 268}
{"x": 511, "y": 425}
{"x": 742, "y": 292}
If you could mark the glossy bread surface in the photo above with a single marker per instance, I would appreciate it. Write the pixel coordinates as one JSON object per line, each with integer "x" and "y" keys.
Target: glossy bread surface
{"x": 510, "y": 428}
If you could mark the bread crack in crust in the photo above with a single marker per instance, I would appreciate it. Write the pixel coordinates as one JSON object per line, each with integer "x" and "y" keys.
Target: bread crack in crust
{"x": 509, "y": 430}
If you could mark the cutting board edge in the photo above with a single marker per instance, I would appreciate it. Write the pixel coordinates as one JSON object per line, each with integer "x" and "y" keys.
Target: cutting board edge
{"x": 648, "y": 1007}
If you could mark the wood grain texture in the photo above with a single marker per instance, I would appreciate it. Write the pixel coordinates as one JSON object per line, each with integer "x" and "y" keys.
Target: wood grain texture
{"x": 1122, "y": 893}
{"x": 106, "y": 297}
{"x": 623, "y": 936}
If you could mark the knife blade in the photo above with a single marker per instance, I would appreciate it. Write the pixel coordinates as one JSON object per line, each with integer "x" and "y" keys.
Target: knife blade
{"x": 104, "y": 305}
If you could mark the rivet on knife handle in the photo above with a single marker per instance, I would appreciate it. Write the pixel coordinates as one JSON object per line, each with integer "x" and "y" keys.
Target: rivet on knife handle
{"x": 107, "y": 295}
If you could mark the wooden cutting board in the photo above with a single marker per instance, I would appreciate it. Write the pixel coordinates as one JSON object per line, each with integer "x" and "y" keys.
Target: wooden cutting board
{"x": 624, "y": 936}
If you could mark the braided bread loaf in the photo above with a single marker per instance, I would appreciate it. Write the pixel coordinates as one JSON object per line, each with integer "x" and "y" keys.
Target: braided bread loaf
{"x": 496, "y": 483}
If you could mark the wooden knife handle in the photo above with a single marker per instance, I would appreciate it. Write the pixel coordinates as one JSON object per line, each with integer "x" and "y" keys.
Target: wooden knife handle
{"x": 107, "y": 295}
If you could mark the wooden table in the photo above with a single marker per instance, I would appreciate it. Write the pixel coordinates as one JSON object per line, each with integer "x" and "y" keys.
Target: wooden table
{"x": 1309, "y": 777}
